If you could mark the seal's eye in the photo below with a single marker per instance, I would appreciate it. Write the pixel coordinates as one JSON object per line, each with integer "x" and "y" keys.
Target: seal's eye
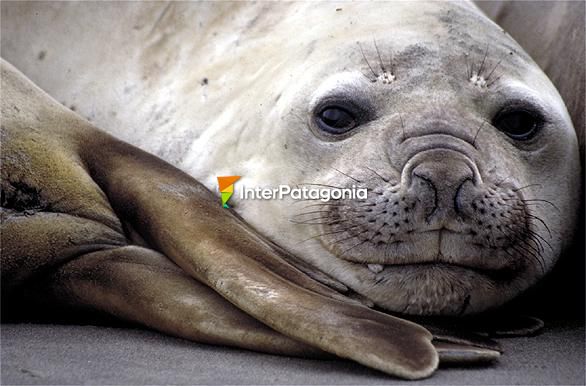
{"x": 518, "y": 124}
{"x": 336, "y": 120}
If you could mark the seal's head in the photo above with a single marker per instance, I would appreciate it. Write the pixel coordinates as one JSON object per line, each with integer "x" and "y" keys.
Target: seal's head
{"x": 465, "y": 147}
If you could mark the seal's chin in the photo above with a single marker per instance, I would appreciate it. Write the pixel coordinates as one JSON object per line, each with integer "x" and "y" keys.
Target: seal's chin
{"x": 435, "y": 288}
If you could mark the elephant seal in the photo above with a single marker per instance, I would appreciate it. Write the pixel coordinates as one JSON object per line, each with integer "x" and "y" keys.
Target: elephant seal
{"x": 465, "y": 147}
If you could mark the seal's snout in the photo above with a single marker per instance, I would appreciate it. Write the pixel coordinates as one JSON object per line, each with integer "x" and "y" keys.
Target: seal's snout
{"x": 437, "y": 178}
{"x": 439, "y": 184}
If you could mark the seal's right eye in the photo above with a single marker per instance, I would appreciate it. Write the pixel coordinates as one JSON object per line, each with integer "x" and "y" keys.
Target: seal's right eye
{"x": 336, "y": 120}
{"x": 519, "y": 124}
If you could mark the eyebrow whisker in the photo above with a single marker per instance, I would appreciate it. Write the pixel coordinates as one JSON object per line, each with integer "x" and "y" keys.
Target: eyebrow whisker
{"x": 495, "y": 67}
{"x": 478, "y": 132}
{"x": 366, "y": 60}
{"x": 380, "y": 59}
{"x": 367, "y": 77}
{"x": 483, "y": 61}
{"x": 494, "y": 81}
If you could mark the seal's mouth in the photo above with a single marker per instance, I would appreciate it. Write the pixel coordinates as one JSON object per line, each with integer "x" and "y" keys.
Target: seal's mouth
{"x": 442, "y": 247}
{"x": 495, "y": 274}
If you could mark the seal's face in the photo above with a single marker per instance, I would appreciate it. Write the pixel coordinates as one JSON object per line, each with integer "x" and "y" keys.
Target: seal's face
{"x": 463, "y": 144}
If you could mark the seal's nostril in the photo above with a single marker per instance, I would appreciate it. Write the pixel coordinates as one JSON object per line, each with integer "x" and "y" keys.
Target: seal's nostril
{"x": 429, "y": 196}
{"x": 424, "y": 179}
{"x": 458, "y": 197}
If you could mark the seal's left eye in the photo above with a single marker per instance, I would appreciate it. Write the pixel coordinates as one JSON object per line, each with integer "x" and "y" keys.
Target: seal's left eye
{"x": 519, "y": 124}
{"x": 335, "y": 120}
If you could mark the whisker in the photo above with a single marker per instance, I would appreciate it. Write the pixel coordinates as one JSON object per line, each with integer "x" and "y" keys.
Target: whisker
{"x": 478, "y": 132}
{"x": 380, "y": 59}
{"x": 527, "y": 186}
{"x": 483, "y": 61}
{"x": 537, "y": 249}
{"x": 542, "y": 222}
{"x": 532, "y": 200}
{"x": 531, "y": 254}
{"x": 310, "y": 222}
{"x": 402, "y": 126}
{"x": 391, "y": 62}
{"x": 494, "y": 81}
{"x": 381, "y": 177}
{"x": 535, "y": 234}
{"x": 366, "y": 205}
{"x": 368, "y": 77}
{"x": 312, "y": 212}
{"x": 347, "y": 175}
{"x": 334, "y": 204}
{"x": 539, "y": 200}
{"x": 513, "y": 230}
{"x": 305, "y": 200}
{"x": 366, "y": 60}
{"x": 330, "y": 233}
{"x": 324, "y": 185}
{"x": 535, "y": 217}
{"x": 352, "y": 236}
{"x": 348, "y": 250}
{"x": 521, "y": 252}
{"x": 494, "y": 68}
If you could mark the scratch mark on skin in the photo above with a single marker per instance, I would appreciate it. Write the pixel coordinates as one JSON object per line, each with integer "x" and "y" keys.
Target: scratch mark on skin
{"x": 163, "y": 13}
{"x": 30, "y": 373}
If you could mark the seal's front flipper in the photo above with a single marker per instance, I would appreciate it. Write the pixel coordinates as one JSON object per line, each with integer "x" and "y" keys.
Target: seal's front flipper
{"x": 461, "y": 354}
{"x": 458, "y": 346}
{"x": 79, "y": 264}
{"x": 464, "y": 348}
{"x": 182, "y": 219}
{"x": 143, "y": 286}
{"x": 469, "y": 340}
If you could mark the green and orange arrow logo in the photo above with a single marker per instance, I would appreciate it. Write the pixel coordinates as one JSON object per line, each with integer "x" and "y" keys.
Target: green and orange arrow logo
{"x": 226, "y": 185}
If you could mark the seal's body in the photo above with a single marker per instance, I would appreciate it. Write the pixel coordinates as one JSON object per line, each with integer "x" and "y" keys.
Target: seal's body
{"x": 465, "y": 147}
